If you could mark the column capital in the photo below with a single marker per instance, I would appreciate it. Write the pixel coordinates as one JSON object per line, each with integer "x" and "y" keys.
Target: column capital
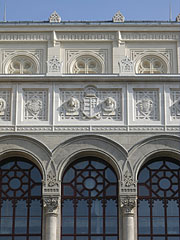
{"x": 128, "y": 204}
{"x": 51, "y": 203}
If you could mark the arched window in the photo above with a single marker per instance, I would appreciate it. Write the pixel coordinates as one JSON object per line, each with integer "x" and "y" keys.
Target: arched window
{"x": 152, "y": 65}
{"x": 87, "y": 65}
{"x": 20, "y": 195}
{"x": 158, "y": 200}
{"x": 22, "y": 65}
{"x": 89, "y": 201}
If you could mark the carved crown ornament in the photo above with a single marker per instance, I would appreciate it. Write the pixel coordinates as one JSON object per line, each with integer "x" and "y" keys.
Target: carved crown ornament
{"x": 54, "y": 18}
{"x": 118, "y": 17}
{"x": 54, "y": 65}
{"x": 126, "y": 66}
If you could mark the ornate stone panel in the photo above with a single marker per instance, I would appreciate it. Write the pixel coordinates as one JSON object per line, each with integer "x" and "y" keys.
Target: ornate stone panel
{"x": 54, "y": 65}
{"x": 91, "y": 104}
{"x": 35, "y": 105}
{"x": 146, "y": 105}
{"x": 72, "y": 55}
{"x": 175, "y": 104}
{"x": 5, "y": 105}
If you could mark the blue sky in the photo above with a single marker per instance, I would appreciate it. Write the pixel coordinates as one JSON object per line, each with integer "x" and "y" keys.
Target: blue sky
{"x": 40, "y": 10}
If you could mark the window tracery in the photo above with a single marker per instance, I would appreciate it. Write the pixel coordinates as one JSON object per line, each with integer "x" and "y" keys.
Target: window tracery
{"x": 158, "y": 200}
{"x": 152, "y": 65}
{"x": 89, "y": 201}
{"x": 87, "y": 65}
{"x": 22, "y": 65}
{"x": 20, "y": 206}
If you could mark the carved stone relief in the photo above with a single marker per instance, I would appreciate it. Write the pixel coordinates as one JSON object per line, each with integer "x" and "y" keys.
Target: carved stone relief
{"x": 175, "y": 104}
{"x": 126, "y": 66}
{"x": 54, "y": 65}
{"x": 5, "y": 105}
{"x": 72, "y": 55}
{"x": 35, "y": 105}
{"x": 91, "y": 104}
{"x": 8, "y": 55}
{"x": 146, "y": 105}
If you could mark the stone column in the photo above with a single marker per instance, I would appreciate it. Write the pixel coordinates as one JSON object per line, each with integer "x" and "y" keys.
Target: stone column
{"x": 51, "y": 205}
{"x": 178, "y": 55}
{"x": 128, "y": 205}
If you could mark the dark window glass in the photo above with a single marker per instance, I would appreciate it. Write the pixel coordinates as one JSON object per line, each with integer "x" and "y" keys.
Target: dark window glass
{"x": 89, "y": 201}
{"x": 158, "y": 200}
{"x": 20, "y": 195}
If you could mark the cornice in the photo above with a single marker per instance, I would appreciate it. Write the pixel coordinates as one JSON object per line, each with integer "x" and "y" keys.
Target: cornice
{"x": 91, "y": 78}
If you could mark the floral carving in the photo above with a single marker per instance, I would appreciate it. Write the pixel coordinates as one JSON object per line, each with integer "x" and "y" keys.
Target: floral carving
{"x": 118, "y": 17}
{"x": 51, "y": 179}
{"x": 128, "y": 179}
{"x": 2, "y": 107}
{"x": 54, "y": 18}
{"x": 51, "y": 204}
{"x": 128, "y": 204}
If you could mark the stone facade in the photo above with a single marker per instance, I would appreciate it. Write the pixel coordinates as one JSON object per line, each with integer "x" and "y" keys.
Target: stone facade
{"x": 110, "y": 90}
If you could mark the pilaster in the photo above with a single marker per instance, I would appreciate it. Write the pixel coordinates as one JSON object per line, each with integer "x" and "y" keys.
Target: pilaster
{"x": 118, "y": 51}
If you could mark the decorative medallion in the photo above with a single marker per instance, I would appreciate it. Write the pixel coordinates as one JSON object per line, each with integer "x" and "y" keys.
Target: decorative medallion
{"x": 34, "y": 105}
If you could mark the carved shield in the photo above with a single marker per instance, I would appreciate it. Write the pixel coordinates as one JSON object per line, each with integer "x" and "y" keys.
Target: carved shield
{"x": 90, "y": 107}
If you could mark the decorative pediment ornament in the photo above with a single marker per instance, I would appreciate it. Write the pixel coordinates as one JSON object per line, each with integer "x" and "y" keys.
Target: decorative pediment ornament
{"x": 118, "y": 17}
{"x": 126, "y": 66}
{"x": 145, "y": 105}
{"x": 34, "y": 105}
{"x": 54, "y": 18}
{"x": 2, "y": 107}
{"x": 55, "y": 65}
{"x": 51, "y": 204}
{"x": 178, "y": 18}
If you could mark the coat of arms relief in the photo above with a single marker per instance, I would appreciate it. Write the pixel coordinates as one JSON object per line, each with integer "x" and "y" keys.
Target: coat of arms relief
{"x": 91, "y": 104}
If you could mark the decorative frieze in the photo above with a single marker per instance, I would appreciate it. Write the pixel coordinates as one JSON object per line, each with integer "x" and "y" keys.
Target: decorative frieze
{"x": 36, "y": 105}
{"x": 5, "y": 105}
{"x": 146, "y": 105}
{"x": 150, "y": 36}
{"x": 25, "y": 36}
{"x": 91, "y": 104}
{"x": 175, "y": 104}
{"x": 85, "y": 36}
